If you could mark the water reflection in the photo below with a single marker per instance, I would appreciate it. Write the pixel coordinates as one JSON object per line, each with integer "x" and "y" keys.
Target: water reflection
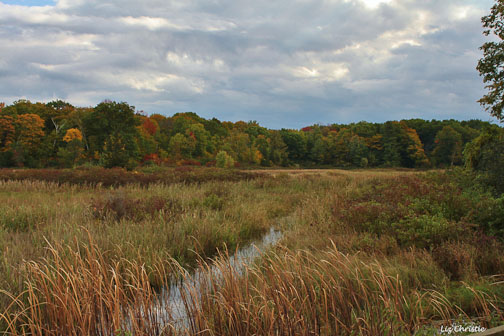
{"x": 171, "y": 308}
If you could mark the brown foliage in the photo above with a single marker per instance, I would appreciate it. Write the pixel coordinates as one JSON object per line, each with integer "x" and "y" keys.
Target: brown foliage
{"x": 120, "y": 176}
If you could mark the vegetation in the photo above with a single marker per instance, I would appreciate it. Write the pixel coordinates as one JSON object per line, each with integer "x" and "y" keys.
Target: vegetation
{"x": 363, "y": 252}
{"x": 120, "y": 176}
{"x": 490, "y": 65}
{"x": 96, "y": 251}
{"x": 112, "y": 134}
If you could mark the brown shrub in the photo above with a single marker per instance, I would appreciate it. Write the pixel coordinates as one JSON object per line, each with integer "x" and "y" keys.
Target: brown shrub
{"x": 456, "y": 259}
{"x": 123, "y": 207}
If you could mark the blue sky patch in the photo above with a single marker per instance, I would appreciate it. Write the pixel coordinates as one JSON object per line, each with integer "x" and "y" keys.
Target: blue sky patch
{"x": 29, "y": 2}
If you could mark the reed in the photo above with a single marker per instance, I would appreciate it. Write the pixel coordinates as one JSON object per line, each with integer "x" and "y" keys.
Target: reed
{"x": 76, "y": 292}
{"x": 329, "y": 293}
{"x": 363, "y": 252}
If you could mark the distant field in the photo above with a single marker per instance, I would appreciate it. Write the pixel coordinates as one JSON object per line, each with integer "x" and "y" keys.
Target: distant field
{"x": 363, "y": 252}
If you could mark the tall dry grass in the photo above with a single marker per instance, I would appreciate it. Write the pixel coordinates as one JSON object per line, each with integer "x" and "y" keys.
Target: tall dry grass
{"x": 76, "y": 292}
{"x": 329, "y": 293}
{"x": 117, "y": 245}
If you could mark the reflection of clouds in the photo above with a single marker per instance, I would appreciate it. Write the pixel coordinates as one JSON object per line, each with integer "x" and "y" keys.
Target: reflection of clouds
{"x": 280, "y": 63}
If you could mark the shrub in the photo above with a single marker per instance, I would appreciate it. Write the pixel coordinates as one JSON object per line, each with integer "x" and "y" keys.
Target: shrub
{"x": 213, "y": 202}
{"x": 121, "y": 207}
{"x": 224, "y": 160}
{"x": 416, "y": 211}
{"x": 151, "y": 159}
{"x": 485, "y": 155}
{"x": 188, "y": 162}
{"x": 489, "y": 214}
{"x": 456, "y": 259}
{"x": 426, "y": 231}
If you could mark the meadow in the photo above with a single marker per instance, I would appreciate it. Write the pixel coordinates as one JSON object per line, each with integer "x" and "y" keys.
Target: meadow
{"x": 363, "y": 252}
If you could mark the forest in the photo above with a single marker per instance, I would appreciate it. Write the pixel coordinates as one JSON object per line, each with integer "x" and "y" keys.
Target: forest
{"x": 114, "y": 134}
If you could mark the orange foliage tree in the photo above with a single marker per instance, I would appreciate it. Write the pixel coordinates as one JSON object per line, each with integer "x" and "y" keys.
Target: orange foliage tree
{"x": 415, "y": 149}
{"x": 7, "y": 132}
{"x": 29, "y": 129}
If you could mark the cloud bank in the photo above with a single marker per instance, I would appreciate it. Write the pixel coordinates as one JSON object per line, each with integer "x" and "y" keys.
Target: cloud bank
{"x": 282, "y": 63}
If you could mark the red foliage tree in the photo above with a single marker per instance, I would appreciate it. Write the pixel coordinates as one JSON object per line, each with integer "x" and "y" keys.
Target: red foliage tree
{"x": 150, "y": 126}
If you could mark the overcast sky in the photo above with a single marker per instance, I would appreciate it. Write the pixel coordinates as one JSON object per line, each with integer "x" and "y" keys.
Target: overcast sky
{"x": 284, "y": 63}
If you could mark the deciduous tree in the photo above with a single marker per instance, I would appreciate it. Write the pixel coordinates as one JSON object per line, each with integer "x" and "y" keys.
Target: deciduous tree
{"x": 491, "y": 65}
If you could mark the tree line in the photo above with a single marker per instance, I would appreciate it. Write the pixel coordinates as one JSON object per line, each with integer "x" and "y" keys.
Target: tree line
{"x": 113, "y": 134}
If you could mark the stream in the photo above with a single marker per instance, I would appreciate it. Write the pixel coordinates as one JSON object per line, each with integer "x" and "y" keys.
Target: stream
{"x": 170, "y": 308}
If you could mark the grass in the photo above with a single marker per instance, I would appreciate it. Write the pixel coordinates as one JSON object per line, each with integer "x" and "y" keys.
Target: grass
{"x": 368, "y": 252}
{"x": 119, "y": 176}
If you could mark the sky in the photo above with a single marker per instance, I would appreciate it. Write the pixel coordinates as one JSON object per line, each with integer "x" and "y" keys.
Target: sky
{"x": 283, "y": 63}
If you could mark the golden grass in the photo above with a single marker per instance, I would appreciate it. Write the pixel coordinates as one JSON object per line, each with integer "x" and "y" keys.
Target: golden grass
{"x": 329, "y": 293}
{"x": 76, "y": 292}
{"x": 66, "y": 270}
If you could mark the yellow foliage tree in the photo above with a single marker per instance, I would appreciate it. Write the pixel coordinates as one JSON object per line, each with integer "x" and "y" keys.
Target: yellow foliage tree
{"x": 72, "y": 134}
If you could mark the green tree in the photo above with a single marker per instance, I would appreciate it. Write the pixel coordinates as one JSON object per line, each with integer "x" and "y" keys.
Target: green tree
{"x": 238, "y": 145}
{"x": 201, "y": 136}
{"x": 112, "y": 126}
{"x": 448, "y": 150}
{"x": 485, "y": 155}
{"x": 296, "y": 145}
{"x": 357, "y": 150}
{"x": 391, "y": 155}
{"x": 491, "y": 65}
{"x": 115, "y": 152}
{"x": 338, "y": 148}
{"x": 278, "y": 149}
{"x": 224, "y": 160}
{"x": 182, "y": 146}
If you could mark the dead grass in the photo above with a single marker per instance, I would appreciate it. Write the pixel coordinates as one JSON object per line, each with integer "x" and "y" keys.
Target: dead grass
{"x": 327, "y": 293}
{"x": 88, "y": 259}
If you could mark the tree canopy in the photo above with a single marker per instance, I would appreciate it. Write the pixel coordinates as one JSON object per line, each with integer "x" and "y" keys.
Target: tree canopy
{"x": 491, "y": 65}
{"x": 58, "y": 134}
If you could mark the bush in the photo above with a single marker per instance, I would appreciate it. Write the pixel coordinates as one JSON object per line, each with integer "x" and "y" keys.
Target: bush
{"x": 456, "y": 259}
{"x": 422, "y": 212}
{"x": 224, "y": 160}
{"x": 188, "y": 162}
{"x": 121, "y": 207}
{"x": 213, "y": 202}
{"x": 489, "y": 214}
{"x": 485, "y": 155}
{"x": 426, "y": 231}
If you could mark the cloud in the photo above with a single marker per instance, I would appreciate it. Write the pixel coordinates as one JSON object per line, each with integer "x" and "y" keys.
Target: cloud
{"x": 282, "y": 63}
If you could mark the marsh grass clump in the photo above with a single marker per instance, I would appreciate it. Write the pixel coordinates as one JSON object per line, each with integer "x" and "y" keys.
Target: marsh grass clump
{"x": 325, "y": 293}
{"x": 76, "y": 292}
{"x": 25, "y": 218}
{"x": 121, "y": 206}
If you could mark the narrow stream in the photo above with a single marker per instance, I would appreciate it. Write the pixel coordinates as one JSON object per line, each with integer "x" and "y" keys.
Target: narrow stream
{"x": 171, "y": 299}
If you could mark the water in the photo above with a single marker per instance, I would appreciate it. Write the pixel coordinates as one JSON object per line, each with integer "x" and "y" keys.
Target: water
{"x": 170, "y": 307}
